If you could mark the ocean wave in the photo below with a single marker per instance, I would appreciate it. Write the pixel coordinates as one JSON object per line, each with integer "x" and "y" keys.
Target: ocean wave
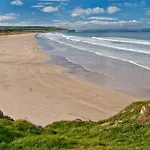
{"x": 95, "y": 41}
{"x": 129, "y": 61}
{"x": 124, "y": 40}
{"x": 57, "y": 37}
{"x": 118, "y": 48}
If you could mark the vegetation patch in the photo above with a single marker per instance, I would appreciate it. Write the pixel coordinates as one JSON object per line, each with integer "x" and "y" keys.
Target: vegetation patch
{"x": 129, "y": 129}
{"x": 7, "y": 30}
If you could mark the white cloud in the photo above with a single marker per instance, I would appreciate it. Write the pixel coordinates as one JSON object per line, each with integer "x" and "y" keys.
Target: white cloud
{"x": 63, "y": 3}
{"x": 7, "y": 17}
{"x": 80, "y": 12}
{"x": 48, "y": 5}
{"x": 102, "y": 18}
{"x": 38, "y": 6}
{"x": 45, "y": 3}
{"x": 20, "y": 23}
{"x": 90, "y": 24}
{"x": 148, "y": 12}
{"x": 98, "y": 24}
{"x": 17, "y": 2}
{"x": 143, "y": 2}
{"x": 128, "y": 4}
{"x": 113, "y": 9}
{"x": 145, "y": 19}
{"x": 42, "y": 4}
{"x": 50, "y": 9}
{"x": 53, "y": 0}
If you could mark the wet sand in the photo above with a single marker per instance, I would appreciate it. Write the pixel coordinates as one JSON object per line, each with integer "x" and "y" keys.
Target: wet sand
{"x": 42, "y": 93}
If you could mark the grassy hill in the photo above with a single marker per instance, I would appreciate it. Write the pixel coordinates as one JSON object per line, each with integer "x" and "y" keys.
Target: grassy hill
{"x": 128, "y": 130}
{"x": 5, "y": 30}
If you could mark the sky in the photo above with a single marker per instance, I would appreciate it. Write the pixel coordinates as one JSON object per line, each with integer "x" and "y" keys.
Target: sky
{"x": 77, "y": 14}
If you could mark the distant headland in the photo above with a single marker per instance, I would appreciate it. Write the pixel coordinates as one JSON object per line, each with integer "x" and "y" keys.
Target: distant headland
{"x": 4, "y": 30}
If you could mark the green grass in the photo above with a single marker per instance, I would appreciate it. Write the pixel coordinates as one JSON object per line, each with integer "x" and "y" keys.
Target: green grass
{"x": 125, "y": 131}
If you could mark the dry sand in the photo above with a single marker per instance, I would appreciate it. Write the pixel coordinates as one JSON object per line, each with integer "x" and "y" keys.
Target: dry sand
{"x": 43, "y": 93}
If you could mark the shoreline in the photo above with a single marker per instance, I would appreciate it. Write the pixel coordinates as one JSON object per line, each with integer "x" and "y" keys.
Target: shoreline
{"x": 43, "y": 93}
{"x": 110, "y": 73}
{"x": 99, "y": 79}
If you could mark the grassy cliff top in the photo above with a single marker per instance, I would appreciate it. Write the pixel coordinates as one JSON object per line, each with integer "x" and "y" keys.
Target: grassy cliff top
{"x": 130, "y": 129}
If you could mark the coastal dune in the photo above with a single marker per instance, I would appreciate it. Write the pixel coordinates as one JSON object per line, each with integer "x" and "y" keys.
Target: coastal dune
{"x": 42, "y": 93}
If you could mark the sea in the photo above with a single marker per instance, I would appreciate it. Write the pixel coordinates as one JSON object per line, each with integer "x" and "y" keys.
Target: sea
{"x": 119, "y": 60}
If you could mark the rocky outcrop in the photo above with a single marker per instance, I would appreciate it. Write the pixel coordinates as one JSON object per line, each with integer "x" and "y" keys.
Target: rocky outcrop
{"x": 1, "y": 114}
{"x": 145, "y": 113}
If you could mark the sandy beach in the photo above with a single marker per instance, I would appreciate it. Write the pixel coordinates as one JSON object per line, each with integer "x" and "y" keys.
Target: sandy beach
{"x": 43, "y": 93}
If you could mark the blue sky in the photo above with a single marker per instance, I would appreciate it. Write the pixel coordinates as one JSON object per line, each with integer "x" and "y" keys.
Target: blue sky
{"x": 77, "y": 14}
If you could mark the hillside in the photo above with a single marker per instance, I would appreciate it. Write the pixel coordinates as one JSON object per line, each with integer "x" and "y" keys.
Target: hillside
{"x": 4, "y": 30}
{"x": 130, "y": 129}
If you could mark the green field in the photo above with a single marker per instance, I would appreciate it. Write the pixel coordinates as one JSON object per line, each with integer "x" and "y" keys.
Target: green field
{"x": 128, "y": 130}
